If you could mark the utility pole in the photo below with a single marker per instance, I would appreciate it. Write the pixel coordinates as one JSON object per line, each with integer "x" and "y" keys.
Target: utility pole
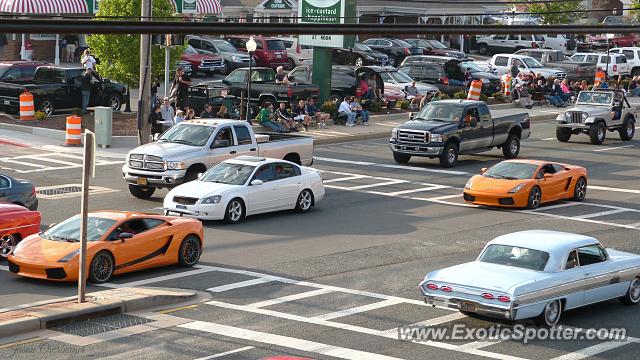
{"x": 167, "y": 63}
{"x": 88, "y": 170}
{"x": 144, "y": 97}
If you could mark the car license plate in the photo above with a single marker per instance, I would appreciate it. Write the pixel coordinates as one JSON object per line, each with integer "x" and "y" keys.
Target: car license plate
{"x": 6, "y": 102}
{"x": 467, "y": 306}
{"x": 279, "y": 56}
{"x": 183, "y": 207}
{"x": 142, "y": 181}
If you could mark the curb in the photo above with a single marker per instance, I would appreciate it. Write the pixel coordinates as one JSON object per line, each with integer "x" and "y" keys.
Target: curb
{"x": 49, "y": 313}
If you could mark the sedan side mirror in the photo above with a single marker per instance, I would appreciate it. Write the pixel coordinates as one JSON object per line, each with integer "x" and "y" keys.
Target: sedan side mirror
{"x": 257, "y": 182}
{"x": 125, "y": 235}
{"x": 483, "y": 170}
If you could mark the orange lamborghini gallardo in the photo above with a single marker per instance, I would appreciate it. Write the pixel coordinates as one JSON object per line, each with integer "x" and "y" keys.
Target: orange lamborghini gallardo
{"x": 526, "y": 184}
{"x": 117, "y": 242}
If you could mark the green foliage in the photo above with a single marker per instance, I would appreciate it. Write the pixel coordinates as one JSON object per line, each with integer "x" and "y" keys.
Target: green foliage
{"x": 498, "y": 96}
{"x": 375, "y": 106}
{"x": 40, "y": 115}
{"x": 484, "y": 97}
{"x": 560, "y": 12}
{"x": 120, "y": 54}
{"x": 330, "y": 107}
{"x": 444, "y": 96}
{"x": 460, "y": 95}
{"x": 404, "y": 104}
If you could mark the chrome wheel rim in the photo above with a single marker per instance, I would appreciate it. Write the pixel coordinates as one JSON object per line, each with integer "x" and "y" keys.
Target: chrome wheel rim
{"x": 191, "y": 251}
{"x": 235, "y": 210}
{"x": 581, "y": 188}
{"x": 600, "y": 133}
{"x": 514, "y": 146}
{"x": 552, "y": 312}
{"x": 47, "y": 108}
{"x": 305, "y": 200}
{"x": 115, "y": 102}
{"x": 102, "y": 267}
{"x": 7, "y": 244}
{"x": 451, "y": 155}
{"x": 534, "y": 198}
{"x": 630, "y": 128}
{"x": 359, "y": 62}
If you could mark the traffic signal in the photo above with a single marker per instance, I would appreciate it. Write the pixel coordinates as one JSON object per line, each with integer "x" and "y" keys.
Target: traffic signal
{"x": 157, "y": 39}
{"x": 177, "y": 39}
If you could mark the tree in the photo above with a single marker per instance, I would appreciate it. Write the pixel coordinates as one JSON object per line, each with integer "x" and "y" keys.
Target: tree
{"x": 120, "y": 54}
{"x": 556, "y": 12}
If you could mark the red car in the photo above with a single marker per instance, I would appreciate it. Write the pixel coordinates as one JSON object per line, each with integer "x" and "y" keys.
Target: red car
{"x": 16, "y": 223}
{"x": 19, "y": 71}
{"x": 270, "y": 52}
{"x": 202, "y": 60}
{"x": 599, "y": 42}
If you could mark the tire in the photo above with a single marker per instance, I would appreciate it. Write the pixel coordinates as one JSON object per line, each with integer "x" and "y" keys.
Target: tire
{"x": 336, "y": 99}
{"x": 597, "y": 133}
{"x": 141, "y": 192}
{"x": 235, "y": 211}
{"x": 292, "y": 63}
{"x": 534, "y": 198}
{"x": 563, "y": 134}
{"x": 580, "y": 189}
{"x": 551, "y": 314}
{"x": 632, "y": 297}
{"x": 359, "y": 61}
{"x": 101, "y": 268}
{"x": 8, "y": 243}
{"x": 305, "y": 201}
{"x": 47, "y": 107}
{"x": 449, "y": 156}
{"x": 628, "y": 129}
{"x": 114, "y": 101}
{"x": 225, "y": 69}
{"x": 401, "y": 158}
{"x": 392, "y": 60}
{"x": 483, "y": 49}
{"x": 511, "y": 147}
{"x": 190, "y": 251}
{"x": 192, "y": 174}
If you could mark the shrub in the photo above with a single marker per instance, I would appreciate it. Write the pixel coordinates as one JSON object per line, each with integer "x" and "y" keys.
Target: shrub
{"x": 444, "y": 97}
{"x": 498, "y": 96}
{"x": 404, "y": 104}
{"x": 484, "y": 97}
{"x": 460, "y": 95}
{"x": 76, "y": 111}
{"x": 330, "y": 107}
{"x": 40, "y": 115}
{"x": 375, "y": 106}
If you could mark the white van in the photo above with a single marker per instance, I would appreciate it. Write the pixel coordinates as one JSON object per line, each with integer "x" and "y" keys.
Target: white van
{"x": 633, "y": 58}
{"x": 560, "y": 42}
{"x": 618, "y": 64}
{"x": 297, "y": 54}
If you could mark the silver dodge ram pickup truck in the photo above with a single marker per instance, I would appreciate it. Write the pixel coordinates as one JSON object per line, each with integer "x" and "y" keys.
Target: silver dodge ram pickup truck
{"x": 193, "y": 146}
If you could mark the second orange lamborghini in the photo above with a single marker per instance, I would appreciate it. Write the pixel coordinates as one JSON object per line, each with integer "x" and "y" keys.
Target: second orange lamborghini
{"x": 526, "y": 184}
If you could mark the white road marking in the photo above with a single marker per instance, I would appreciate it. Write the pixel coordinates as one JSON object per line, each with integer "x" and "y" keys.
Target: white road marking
{"x": 606, "y": 188}
{"x": 198, "y": 270}
{"x": 390, "y": 182}
{"x": 49, "y": 158}
{"x": 288, "y": 298}
{"x": 240, "y": 284}
{"x": 558, "y": 206}
{"x": 442, "y": 200}
{"x": 404, "y": 192}
{"x": 284, "y": 341}
{"x": 358, "y": 309}
{"x": 391, "y": 166}
{"x": 93, "y": 190}
{"x": 430, "y": 322}
{"x": 591, "y": 350}
{"x": 547, "y": 139}
{"x": 4, "y": 267}
{"x": 625, "y": 226}
{"x": 24, "y": 163}
{"x": 478, "y": 344}
{"x": 219, "y": 355}
{"x": 602, "y": 213}
{"x": 347, "y": 178}
{"x": 613, "y": 148}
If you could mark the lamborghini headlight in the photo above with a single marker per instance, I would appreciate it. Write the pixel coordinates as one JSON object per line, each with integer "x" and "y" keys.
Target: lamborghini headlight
{"x": 69, "y": 256}
{"x": 469, "y": 184}
{"x": 517, "y": 188}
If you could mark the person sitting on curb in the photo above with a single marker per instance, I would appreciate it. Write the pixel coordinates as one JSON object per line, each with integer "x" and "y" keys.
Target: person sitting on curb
{"x": 345, "y": 110}
{"x": 360, "y": 112}
{"x": 413, "y": 95}
{"x": 300, "y": 115}
{"x": 521, "y": 96}
{"x": 285, "y": 119}
{"x": 320, "y": 117}
{"x": 265, "y": 117}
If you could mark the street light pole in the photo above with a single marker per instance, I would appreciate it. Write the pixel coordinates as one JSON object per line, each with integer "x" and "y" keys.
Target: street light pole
{"x": 606, "y": 71}
{"x": 251, "y": 48}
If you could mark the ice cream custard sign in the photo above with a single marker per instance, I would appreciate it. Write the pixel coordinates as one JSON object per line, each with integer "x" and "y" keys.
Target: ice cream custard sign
{"x": 322, "y": 12}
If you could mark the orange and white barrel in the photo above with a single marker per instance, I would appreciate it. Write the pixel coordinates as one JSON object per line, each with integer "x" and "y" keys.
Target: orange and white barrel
{"x": 600, "y": 76}
{"x": 507, "y": 87}
{"x": 474, "y": 90}
{"x": 27, "y": 110}
{"x": 74, "y": 131}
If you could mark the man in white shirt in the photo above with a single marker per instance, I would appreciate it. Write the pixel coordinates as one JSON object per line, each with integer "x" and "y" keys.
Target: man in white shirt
{"x": 167, "y": 113}
{"x": 345, "y": 110}
{"x": 88, "y": 61}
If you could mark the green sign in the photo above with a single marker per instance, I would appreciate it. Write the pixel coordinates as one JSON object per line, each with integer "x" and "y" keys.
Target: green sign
{"x": 322, "y": 12}
{"x": 189, "y": 6}
{"x": 276, "y": 5}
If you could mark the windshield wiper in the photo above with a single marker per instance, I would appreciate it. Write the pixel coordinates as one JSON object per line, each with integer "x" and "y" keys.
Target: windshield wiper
{"x": 181, "y": 141}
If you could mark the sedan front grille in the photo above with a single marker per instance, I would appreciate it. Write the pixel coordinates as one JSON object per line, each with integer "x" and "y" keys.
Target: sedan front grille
{"x": 146, "y": 162}
{"x": 184, "y": 200}
{"x": 414, "y": 136}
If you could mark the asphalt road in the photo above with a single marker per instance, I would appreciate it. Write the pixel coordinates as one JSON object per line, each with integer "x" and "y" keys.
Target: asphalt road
{"x": 336, "y": 282}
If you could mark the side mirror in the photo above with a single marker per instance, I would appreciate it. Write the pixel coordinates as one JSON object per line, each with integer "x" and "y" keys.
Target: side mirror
{"x": 483, "y": 170}
{"x": 411, "y": 116}
{"x": 220, "y": 144}
{"x": 257, "y": 182}
{"x": 200, "y": 175}
{"x": 547, "y": 175}
{"x": 125, "y": 235}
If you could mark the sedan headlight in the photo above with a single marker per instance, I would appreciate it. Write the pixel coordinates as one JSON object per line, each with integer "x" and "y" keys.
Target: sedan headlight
{"x": 469, "y": 184}
{"x": 437, "y": 138}
{"x": 174, "y": 165}
{"x": 211, "y": 200}
{"x": 69, "y": 256}
{"x": 517, "y": 188}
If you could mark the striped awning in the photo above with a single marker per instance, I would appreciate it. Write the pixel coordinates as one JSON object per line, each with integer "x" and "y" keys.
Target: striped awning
{"x": 202, "y": 7}
{"x": 44, "y": 6}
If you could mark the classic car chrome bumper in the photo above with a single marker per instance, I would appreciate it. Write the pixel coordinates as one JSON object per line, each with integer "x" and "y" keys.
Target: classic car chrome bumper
{"x": 470, "y": 306}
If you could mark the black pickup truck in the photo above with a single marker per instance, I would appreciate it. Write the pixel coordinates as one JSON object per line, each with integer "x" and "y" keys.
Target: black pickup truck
{"x": 56, "y": 88}
{"x": 264, "y": 87}
{"x": 446, "y": 128}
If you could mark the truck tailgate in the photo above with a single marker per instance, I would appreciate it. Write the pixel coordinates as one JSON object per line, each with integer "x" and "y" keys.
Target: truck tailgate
{"x": 298, "y": 147}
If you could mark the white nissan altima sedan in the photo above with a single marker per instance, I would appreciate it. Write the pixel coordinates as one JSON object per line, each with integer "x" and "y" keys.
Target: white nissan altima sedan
{"x": 244, "y": 186}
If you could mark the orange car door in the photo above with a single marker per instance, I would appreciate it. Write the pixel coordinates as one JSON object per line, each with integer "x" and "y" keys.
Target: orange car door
{"x": 147, "y": 246}
{"x": 552, "y": 183}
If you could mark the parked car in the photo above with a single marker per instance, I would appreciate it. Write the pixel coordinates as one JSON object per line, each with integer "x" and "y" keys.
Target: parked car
{"x": 447, "y": 74}
{"x": 18, "y": 192}
{"x": 264, "y": 87}
{"x": 202, "y": 60}
{"x": 270, "y": 52}
{"x": 185, "y": 65}
{"x": 118, "y": 242}
{"x": 575, "y": 70}
{"x": 435, "y": 47}
{"x": 16, "y": 224}
{"x": 526, "y": 184}
{"x": 535, "y": 274}
{"x": 396, "y": 49}
{"x": 601, "y": 42}
{"x": 508, "y": 43}
{"x": 392, "y": 77}
{"x": 19, "y": 71}
{"x": 57, "y": 88}
{"x": 193, "y": 146}
{"x": 447, "y": 128}
{"x": 214, "y": 93}
{"x": 501, "y": 63}
{"x": 633, "y": 58}
{"x": 595, "y": 112}
{"x": 297, "y": 54}
{"x": 560, "y": 43}
{"x": 232, "y": 58}
{"x": 246, "y": 185}
{"x": 618, "y": 64}
{"x": 359, "y": 55}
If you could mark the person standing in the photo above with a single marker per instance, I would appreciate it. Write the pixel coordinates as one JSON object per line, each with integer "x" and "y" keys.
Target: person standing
{"x": 180, "y": 88}
{"x": 413, "y": 95}
{"x": 515, "y": 70}
{"x": 85, "y": 89}
{"x": 167, "y": 113}
{"x": 345, "y": 110}
{"x": 88, "y": 61}
{"x": 155, "y": 119}
{"x": 3, "y": 43}
{"x": 70, "y": 49}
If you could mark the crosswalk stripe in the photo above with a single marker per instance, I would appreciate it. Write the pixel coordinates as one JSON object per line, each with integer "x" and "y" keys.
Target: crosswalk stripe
{"x": 359, "y": 309}
{"x": 239, "y": 284}
{"x": 288, "y": 298}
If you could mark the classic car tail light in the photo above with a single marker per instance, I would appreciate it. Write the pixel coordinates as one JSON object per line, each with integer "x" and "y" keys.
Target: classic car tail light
{"x": 406, "y": 51}
{"x": 615, "y": 67}
{"x": 488, "y": 296}
{"x": 446, "y": 288}
{"x": 504, "y": 298}
{"x": 432, "y": 286}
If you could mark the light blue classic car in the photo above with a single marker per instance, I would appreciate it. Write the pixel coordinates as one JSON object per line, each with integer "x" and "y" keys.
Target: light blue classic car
{"x": 536, "y": 274}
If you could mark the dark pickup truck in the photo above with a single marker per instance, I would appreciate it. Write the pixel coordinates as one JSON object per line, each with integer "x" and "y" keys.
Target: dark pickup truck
{"x": 446, "y": 128}
{"x": 56, "y": 88}
{"x": 264, "y": 87}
